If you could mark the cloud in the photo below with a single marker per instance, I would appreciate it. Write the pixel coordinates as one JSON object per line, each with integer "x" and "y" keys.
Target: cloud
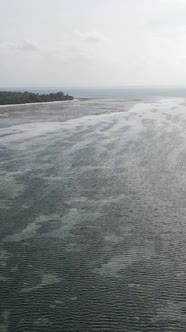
{"x": 90, "y": 37}
{"x": 24, "y": 46}
{"x": 28, "y": 46}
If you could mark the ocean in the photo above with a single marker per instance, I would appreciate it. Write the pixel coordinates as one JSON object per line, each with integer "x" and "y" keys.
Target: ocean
{"x": 109, "y": 92}
{"x": 92, "y": 227}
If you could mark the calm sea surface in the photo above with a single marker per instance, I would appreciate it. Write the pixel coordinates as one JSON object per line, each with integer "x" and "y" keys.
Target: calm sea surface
{"x": 128, "y": 92}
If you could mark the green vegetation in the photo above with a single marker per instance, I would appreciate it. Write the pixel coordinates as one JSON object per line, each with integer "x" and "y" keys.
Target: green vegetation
{"x": 7, "y": 97}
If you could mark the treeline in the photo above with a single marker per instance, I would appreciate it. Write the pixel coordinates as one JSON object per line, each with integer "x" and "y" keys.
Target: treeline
{"x": 8, "y": 97}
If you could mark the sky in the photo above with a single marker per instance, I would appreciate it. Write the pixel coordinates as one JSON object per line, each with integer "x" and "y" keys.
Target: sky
{"x": 90, "y": 43}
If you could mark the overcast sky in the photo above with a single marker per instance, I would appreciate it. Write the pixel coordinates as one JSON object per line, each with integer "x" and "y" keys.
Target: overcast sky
{"x": 92, "y": 42}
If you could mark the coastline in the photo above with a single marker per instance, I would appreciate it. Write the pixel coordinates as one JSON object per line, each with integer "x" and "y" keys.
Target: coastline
{"x": 75, "y": 107}
{"x": 63, "y": 111}
{"x": 38, "y": 103}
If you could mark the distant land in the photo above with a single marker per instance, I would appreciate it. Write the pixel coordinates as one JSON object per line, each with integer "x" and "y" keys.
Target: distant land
{"x": 15, "y": 97}
{"x": 126, "y": 92}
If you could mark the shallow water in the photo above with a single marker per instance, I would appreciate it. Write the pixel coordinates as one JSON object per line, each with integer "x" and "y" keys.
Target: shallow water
{"x": 92, "y": 231}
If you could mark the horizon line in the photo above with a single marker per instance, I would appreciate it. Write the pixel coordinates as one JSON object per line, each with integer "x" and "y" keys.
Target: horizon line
{"x": 96, "y": 87}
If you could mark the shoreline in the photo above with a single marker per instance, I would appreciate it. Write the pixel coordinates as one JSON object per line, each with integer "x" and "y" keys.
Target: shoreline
{"x": 63, "y": 111}
{"x": 37, "y": 103}
{"x": 73, "y": 100}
